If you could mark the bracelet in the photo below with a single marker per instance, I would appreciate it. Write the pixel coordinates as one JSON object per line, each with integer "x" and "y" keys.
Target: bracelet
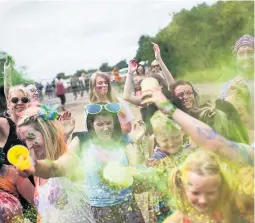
{"x": 168, "y": 108}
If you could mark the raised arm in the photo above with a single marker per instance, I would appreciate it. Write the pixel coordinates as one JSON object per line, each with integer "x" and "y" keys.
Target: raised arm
{"x": 167, "y": 74}
{"x": 202, "y": 134}
{"x": 8, "y": 69}
{"x": 127, "y": 94}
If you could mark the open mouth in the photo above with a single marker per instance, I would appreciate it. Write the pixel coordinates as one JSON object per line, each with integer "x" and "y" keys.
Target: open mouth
{"x": 19, "y": 109}
{"x": 187, "y": 103}
{"x": 202, "y": 207}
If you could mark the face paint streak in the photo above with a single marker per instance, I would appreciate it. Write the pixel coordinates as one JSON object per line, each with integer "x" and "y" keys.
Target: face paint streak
{"x": 190, "y": 184}
{"x": 35, "y": 142}
{"x": 31, "y": 135}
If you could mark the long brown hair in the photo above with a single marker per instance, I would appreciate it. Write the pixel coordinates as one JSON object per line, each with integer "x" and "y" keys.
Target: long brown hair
{"x": 182, "y": 82}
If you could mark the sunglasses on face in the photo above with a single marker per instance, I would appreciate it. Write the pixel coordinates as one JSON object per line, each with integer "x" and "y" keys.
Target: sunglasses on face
{"x": 23, "y": 100}
{"x": 97, "y": 108}
{"x": 155, "y": 66}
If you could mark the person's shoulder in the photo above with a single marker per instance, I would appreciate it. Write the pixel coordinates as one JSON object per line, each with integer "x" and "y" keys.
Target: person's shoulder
{"x": 3, "y": 120}
{"x": 11, "y": 173}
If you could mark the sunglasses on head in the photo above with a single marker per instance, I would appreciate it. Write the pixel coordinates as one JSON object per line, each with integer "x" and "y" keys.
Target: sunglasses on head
{"x": 97, "y": 108}
{"x": 23, "y": 100}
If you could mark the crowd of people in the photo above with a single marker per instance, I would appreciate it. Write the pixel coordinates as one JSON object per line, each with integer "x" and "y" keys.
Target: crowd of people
{"x": 194, "y": 159}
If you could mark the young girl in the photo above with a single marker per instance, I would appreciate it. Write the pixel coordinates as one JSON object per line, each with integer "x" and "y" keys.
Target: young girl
{"x": 11, "y": 185}
{"x": 201, "y": 193}
{"x": 57, "y": 199}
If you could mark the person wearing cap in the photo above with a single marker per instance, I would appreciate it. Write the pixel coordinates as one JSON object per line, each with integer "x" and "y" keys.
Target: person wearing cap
{"x": 236, "y": 90}
{"x": 244, "y": 52}
{"x": 156, "y": 68}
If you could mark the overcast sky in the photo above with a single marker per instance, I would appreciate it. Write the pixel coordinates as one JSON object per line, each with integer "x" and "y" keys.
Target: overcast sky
{"x": 49, "y": 37}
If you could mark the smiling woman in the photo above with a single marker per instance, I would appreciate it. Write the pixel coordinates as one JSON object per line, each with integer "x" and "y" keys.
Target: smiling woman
{"x": 17, "y": 101}
{"x": 106, "y": 146}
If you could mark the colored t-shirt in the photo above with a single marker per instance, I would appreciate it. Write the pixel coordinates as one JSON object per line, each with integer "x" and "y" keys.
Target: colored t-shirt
{"x": 60, "y": 89}
{"x": 99, "y": 194}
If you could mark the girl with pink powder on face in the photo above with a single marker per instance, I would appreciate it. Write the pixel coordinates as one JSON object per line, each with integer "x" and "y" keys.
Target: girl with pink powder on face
{"x": 100, "y": 90}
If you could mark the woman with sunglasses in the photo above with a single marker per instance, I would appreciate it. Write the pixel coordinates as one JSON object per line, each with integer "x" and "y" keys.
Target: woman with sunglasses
{"x": 101, "y": 91}
{"x": 107, "y": 145}
{"x": 17, "y": 101}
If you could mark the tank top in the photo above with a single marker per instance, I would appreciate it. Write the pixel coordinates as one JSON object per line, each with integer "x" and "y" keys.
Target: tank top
{"x": 12, "y": 139}
{"x": 61, "y": 200}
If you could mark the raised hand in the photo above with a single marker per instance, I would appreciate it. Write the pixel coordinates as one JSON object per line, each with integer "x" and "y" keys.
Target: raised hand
{"x": 138, "y": 131}
{"x": 68, "y": 123}
{"x": 132, "y": 66}
{"x": 155, "y": 96}
{"x": 156, "y": 51}
{"x": 8, "y": 65}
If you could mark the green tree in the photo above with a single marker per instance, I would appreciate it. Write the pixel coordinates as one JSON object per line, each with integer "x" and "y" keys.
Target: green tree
{"x": 121, "y": 64}
{"x": 105, "y": 67}
{"x": 61, "y": 75}
{"x": 18, "y": 75}
{"x": 202, "y": 38}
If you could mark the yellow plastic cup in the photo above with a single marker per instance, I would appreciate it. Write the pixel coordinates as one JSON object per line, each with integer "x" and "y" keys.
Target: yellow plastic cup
{"x": 19, "y": 156}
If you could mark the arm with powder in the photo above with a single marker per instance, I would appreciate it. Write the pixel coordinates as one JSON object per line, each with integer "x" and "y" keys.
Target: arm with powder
{"x": 67, "y": 165}
{"x": 8, "y": 69}
{"x": 202, "y": 134}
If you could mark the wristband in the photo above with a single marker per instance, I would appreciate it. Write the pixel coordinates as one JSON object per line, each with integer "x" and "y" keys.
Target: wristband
{"x": 168, "y": 108}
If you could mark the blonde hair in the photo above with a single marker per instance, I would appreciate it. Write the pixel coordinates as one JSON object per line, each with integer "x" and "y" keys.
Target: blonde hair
{"x": 18, "y": 88}
{"x": 92, "y": 91}
{"x": 160, "y": 122}
{"x": 51, "y": 131}
{"x": 204, "y": 164}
